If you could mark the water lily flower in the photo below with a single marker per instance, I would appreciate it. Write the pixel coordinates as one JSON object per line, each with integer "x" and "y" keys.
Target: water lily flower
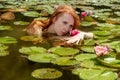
{"x": 74, "y": 32}
{"x": 83, "y": 15}
{"x": 101, "y": 50}
{"x": 89, "y": 13}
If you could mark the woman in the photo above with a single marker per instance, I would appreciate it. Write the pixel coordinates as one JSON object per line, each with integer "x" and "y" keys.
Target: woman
{"x": 63, "y": 22}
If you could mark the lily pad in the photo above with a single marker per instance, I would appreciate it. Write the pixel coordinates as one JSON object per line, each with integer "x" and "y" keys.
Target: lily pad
{"x": 89, "y": 42}
{"x": 3, "y": 51}
{"x": 46, "y": 73}
{"x": 42, "y": 58}
{"x": 7, "y": 40}
{"x": 95, "y": 64}
{"x": 93, "y": 74}
{"x": 32, "y": 38}
{"x": 101, "y": 33}
{"x": 32, "y": 50}
{"x": 86, "y": 23}
{"x": 31, "y": 14}
{"x": 65, "y": 61}
{"x": 109, "y": 61}
{"x": 87, "y": 49}
{"x": 105, "y": 25}
{"x": 81, "y": 57}
{"x": 63, "y": 51}
{"x": 3, "y": 27}
{"x": 21, "y": 23}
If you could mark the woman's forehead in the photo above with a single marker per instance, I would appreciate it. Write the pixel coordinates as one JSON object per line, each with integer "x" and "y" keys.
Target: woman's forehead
{"x": 66, "y": 16}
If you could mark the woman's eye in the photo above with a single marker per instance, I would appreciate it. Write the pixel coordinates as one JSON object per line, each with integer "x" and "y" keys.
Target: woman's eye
{"x": 64, "y": 22}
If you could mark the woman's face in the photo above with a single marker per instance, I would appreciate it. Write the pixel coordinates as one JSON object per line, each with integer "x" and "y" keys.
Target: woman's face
{"x": 63, "y": 24}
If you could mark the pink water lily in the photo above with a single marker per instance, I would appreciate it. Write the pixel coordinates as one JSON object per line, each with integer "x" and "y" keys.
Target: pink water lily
{"x": 101, "y": 50}
{"x": 74, "y": 32}
{"x": 84, "y": 14}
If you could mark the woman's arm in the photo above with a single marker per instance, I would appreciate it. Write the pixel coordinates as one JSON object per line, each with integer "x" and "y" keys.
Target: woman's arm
{"x": 75, "y": 37}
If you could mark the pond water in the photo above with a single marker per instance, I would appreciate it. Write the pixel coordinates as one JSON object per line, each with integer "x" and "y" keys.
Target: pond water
{"x": 16, "y": 66}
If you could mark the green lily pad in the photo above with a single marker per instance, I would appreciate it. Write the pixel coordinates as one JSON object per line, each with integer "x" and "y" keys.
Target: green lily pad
{"x": 109, "y": 61}
{"x": 3, "y": 27}
{"x": 89, "y": 42}
{"x": 32, "y": 50}
{"x": 32, "y": 38}
{"x": 102, "y": 33}
{"x": 81, "y": 57}
{"x": 3, "y": 47}
{"x": 21, "y": 23}
{"x": 46, "y": 73}
{"x": 31, "y": 14}
{"x": 93, "y": 74}
{"x": 105, "y": 25}
{"x": 87, "y": 49}
{"x": 65, "y": 61}
{"x": 7, "y": 40}
{"x": 86, "y": 23}
{"x": 42, "y": 58}
{"x": 95, "y": 64}
{"x": 113, "y": 44}
{"x": 3, "y": 51}
{"x": 63, "y": 51}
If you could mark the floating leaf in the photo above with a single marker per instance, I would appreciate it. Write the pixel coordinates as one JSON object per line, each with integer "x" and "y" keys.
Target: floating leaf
{"x": 87, "y": 49}
{"x": 63, "y": 51}
{"x": 31, "y": 14}
{"x": 92, "y": 74}
{"x": 32, "y": 50}
{"x": 65, "y": 61}
{"x": 117, "y": 47}
{"x": 3, "y": 51}
{"x": 27, "y": 38}
{"x": 101, "y": 33}
{"x": 7, "y": 40}
{"x": 105, "y": 25}
{"x": 81, "y": 57}
{"x": 3, "y": 27}
{"x": 89, "y": 42}
{"x": 42, "y": 58}
{"x": 46, "y": 73}
{"x": 86, "y": 23}
{"x": 94, "y": 64}
{"x": 21, "y": 23}
{"x": 109, "y": 61}
{"x": 113, "y": 44}
{"x": 32, "y": 38}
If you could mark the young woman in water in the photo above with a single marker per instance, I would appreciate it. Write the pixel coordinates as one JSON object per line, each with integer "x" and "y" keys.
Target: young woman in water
{"x": 63, "y": 23}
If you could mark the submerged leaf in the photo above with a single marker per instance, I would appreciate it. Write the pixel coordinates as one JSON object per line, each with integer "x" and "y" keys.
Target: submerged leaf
{"x": 46, "y": 73}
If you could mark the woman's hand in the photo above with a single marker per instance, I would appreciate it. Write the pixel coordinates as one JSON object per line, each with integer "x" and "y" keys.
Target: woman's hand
{"x": 76, "y": 38}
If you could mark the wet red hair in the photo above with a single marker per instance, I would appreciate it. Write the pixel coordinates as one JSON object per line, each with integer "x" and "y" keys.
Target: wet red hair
{"x": 65, "y": 9}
